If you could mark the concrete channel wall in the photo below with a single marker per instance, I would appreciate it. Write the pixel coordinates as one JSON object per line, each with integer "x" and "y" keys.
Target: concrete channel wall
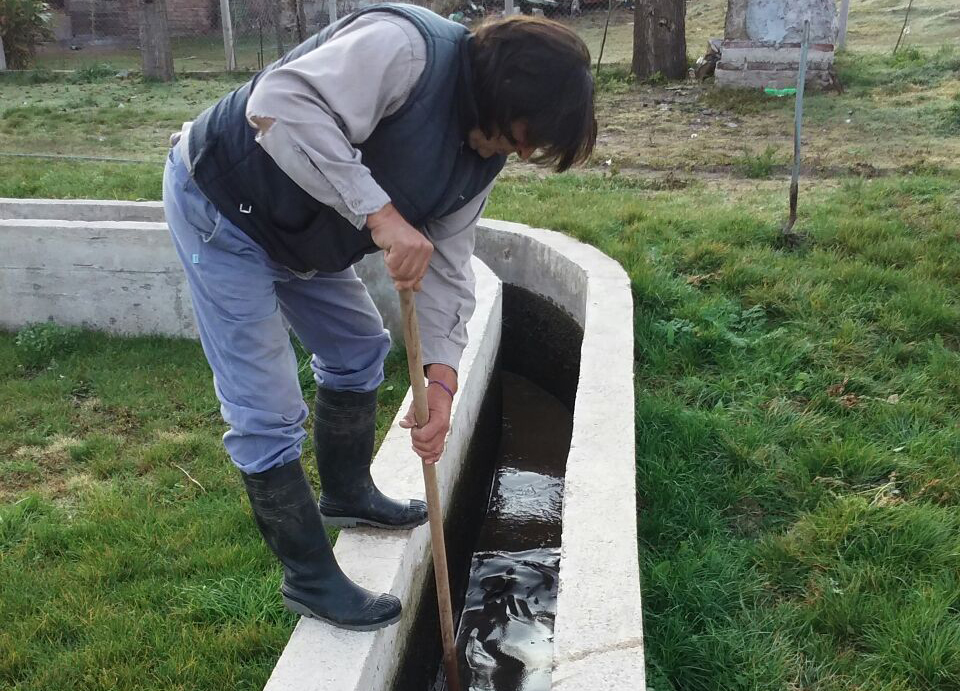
{"x": 598, "y": 635}
{"x": 111, "y": 266}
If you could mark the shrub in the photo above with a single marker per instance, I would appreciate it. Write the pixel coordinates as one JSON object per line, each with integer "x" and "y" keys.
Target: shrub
{"x": 23, "y": 24}
{"x": 951, "y": 121}
{"x": 759, "y": 165}
{"x": 96, "y": 72}
{"x": 38, "y": 345}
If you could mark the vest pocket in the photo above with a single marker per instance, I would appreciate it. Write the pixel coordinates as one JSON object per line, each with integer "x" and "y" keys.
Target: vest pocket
{"x": 200, "y": 211}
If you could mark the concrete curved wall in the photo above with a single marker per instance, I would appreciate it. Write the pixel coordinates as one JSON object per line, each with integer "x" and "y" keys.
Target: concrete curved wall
{"x": 598, "y": 634}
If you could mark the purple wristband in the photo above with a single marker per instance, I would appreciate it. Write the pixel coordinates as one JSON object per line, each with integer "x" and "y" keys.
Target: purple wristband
{"x": 442, "y": 386}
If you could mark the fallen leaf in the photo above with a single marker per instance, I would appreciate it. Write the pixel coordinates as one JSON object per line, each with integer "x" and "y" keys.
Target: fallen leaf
{"x": 849, "y": 400}
{"x": 838, "y": 389}
{"x": 697, "y": 279}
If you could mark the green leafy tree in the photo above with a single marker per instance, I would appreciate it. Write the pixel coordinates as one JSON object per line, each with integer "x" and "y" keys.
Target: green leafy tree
{"x": 23, "y": 25}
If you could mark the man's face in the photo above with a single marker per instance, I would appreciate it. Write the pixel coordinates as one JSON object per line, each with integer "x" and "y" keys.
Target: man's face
{"x": 501, "y": 144}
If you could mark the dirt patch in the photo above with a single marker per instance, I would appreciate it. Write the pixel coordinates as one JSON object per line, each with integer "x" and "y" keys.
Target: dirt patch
{"x": 689, "y": 128}
{"x": 44, "y": 468}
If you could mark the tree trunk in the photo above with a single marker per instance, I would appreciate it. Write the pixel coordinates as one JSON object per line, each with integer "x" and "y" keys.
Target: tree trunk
{"x": 277, "y": 22}
{"x": 155, "y": 41}
{"x": 301, "y": 18}
{"x": 3, "y": 56}
{"x": 659, "y": 39}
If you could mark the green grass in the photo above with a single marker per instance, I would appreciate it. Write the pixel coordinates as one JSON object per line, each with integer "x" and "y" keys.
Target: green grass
{"x": 759, "y": 165}
{"x": 190, "y": 54}
{"x": 102, "y": 117}
{"x": 116, "y": 569}
{"x": 797, "y": 445}
{"x": 25, "y": 178}
{"x": 797, "y": 456}
{"x": 796, "y": 426}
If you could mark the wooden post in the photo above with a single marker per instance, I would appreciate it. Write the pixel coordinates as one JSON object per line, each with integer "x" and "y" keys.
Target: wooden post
{"x": 3, "y": 56}
{"x": 301, "y": 20}
{"x": 226, "y": 21}
{"x": 842, "y": 25}
{"x": 155, "y": 52}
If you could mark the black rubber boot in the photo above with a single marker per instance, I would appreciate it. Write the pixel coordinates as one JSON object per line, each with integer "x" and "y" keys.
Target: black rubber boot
{"x": 313, "y": 584}
{"x": 344, "y": 427}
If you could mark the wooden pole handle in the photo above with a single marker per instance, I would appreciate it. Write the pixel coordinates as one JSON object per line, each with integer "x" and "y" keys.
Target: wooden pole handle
{"x": 421, "y": 411}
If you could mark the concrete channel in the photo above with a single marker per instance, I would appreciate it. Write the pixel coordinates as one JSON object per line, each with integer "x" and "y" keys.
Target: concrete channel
{"x": 110, "y": 266}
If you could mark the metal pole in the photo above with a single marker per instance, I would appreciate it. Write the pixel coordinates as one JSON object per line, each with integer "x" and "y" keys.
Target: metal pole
{"x": 906, "y": 18}
{"x": 332, "y": 9}
{"x": 606, "y": 28}
{"x": 226, "y": 21}
{"x": 842, "y": 25}
{"x": 797, "y": 127}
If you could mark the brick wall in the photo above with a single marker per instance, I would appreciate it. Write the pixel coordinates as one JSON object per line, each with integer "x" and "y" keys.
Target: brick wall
{"x": 761, "y": 46}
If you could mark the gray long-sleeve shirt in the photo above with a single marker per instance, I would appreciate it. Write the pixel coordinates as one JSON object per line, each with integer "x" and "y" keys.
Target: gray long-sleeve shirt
{"x": 314, "y": 111}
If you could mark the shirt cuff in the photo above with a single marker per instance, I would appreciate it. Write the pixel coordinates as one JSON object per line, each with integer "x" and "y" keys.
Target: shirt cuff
{"x": 441, "y": 351}
{"x": 365, "y": 198}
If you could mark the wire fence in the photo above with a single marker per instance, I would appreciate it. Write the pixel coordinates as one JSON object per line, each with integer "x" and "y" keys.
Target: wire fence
{"x": 216, "y": 35}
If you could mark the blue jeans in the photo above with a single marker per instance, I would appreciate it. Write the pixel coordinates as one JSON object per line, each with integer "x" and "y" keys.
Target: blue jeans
{"x": 243, "y": 302}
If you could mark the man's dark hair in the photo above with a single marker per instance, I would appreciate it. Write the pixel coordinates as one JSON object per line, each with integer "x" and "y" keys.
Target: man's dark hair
{"x": 538, "y": 71}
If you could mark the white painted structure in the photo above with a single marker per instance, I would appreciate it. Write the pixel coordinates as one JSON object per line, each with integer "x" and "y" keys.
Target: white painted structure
{"x": 112, "y": 267}
{"x": 761, "y": 46}
{"x": 598, "y": 636}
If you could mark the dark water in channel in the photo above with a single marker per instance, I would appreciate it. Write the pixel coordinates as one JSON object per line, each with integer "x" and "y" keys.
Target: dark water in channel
{"x": 505, "y": 638}
{"x": 503, "y": 530}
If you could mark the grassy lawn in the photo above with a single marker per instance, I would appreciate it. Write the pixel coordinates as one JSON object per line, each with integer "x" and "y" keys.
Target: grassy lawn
{"x": 798, "y": 452}
{"x": 190, "y": 54}
{"x": 797, "y": 456}
{"x": 128, "y": 557}
{"x": 898, "y": 114}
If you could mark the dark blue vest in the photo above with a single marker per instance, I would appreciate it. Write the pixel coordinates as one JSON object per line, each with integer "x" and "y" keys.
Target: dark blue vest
{"x": 418, "y": 156}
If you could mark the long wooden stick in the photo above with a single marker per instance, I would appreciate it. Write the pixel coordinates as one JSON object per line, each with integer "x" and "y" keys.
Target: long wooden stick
{"x": 411, "y": 334}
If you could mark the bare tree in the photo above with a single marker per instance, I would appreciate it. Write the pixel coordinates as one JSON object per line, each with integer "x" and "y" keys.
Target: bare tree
{"x": 155, "y": 52}
{"x": 659, "y": 39}
{"x": 300, "y": 18}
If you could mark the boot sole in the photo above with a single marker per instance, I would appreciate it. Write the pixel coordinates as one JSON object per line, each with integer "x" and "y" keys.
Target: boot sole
{"x": 305, "y": 611}
{"x": 353, "y": 522}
